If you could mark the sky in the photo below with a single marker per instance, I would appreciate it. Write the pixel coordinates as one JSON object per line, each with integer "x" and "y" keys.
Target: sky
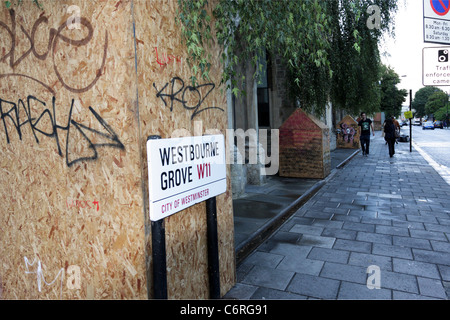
{"x": 405, "y": 50}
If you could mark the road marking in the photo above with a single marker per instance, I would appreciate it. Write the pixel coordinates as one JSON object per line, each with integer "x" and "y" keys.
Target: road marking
{"x": 443, "y": 171}
{"x": 435, "y": 144}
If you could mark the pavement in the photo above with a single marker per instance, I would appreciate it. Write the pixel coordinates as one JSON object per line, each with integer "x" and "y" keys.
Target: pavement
{"x": 375, "y": 228}
{"x": 262, "y": 209}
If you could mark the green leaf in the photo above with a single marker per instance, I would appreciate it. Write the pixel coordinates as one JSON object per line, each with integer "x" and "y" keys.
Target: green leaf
{"x": 322, "y": 43}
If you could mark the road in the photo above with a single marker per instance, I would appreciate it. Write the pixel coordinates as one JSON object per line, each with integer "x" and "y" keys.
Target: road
{"x": 434, "y": 145}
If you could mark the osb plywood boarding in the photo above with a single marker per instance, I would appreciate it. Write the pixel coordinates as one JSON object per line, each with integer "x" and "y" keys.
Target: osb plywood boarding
{"x": 171, "y": 106}
{"x": 73, "y": 182}
{"x": 71, "y": 218}
{"x": 348, "y": 137}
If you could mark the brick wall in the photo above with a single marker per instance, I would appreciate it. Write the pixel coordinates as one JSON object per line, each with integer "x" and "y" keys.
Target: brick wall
{"x": 304, "y": 147}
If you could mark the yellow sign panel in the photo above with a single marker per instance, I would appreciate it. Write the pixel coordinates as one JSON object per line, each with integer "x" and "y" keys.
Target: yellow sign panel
{"x": 408, "y": 114}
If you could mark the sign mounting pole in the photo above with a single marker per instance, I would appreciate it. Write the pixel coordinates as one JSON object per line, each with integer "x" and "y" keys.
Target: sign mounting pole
{"x": 213, "y": 249}
{"x": 159, "y": 254}
{"x": 410, "y": 123}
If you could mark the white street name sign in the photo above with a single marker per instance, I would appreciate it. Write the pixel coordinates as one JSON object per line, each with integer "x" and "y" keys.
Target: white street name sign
{"x": 183, "y": 172}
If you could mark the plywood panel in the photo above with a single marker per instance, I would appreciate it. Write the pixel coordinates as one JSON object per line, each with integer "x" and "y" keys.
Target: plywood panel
{"x": 70, "y": 162}
{"x": 166, "y": 100}
{"x": 77, "y": 104}
{"x": 348, "y": 137}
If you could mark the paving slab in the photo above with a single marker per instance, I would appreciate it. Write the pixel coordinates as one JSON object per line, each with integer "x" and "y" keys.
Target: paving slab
{"x": 355, "y": 291}
{"x": 326, "y": 254}
{"x": 314, "y": 286}
{"x": 392, "y": 251}
{"x": 366, "y": 259}
{"x": 344, "y": 272}
{"x": 268, "y": 277}
{"x": 431, "y": 288}
{"x": 417, "y": 268}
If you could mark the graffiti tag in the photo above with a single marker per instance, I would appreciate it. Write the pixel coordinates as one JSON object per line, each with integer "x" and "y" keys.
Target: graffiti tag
{"x": 55, "y": 36}
{"x": 166, "y": 58}
{"x": 185, "y": 95}
{"x": 10, "y": 112}
{"x": 82, "y": 204}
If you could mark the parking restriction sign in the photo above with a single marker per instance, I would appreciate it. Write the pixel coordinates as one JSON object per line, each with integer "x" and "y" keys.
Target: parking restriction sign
{"x": 436, "y": 21}
{"x": 440, "y": 7}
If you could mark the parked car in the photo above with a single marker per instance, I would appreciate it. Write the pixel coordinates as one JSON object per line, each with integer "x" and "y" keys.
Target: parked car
{"x": 404, "y": 123}
{"x": 439, "y": 124}
{"x": 427, "y": 125}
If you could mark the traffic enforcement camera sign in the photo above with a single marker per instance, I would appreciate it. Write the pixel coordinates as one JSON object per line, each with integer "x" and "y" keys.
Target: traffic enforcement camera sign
{"x": 436, "y": 66}
{"x": 436, "y": 21}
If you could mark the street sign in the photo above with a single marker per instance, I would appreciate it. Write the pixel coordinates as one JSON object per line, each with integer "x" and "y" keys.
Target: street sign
{"x": 436, "y": 66}
{"x": 183, "y": 172}
{"x": 436, "y": 21}
{"x": 440, "y": 7}
{"x": 408, "y": 114}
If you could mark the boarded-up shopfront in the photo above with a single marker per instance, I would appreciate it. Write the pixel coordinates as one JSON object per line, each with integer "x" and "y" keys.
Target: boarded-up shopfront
{"x": 82, "y": 86}
{"x": 348, "y": 136}
{"x": 304, "y": 147}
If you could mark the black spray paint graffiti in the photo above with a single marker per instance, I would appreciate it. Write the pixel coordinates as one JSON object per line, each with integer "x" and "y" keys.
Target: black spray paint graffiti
{"x": 188, "y": 93}
{"x": 13, "y": 116}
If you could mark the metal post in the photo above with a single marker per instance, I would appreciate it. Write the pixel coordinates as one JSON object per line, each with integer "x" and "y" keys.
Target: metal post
{"x": 159, "y": 260}
{"x": 446, "y": 116}
{"x": 213, "y": 249}
{"x": 410, "y": 121}
{"x": 159, "y": 255}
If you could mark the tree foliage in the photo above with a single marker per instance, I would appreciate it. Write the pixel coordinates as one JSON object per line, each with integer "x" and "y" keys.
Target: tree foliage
{"x": 9, "y": 3}
{"x": 442, "y": 113}
{"x": 392, "y": 98}
{"x": 295, "y": 30}
{"x": 355, "y": 53}
{"x": 330, "y": 52}
{"x": 436, "y": 100}
{"x": 431, "y": 101}
{"x": 420, "y": 100}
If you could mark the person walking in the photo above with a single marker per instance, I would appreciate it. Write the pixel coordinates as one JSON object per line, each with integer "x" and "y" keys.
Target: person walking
{"x": 365, "y": 124}
{"x": 389, "y": 130}
{"x": 397, "y": 128}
